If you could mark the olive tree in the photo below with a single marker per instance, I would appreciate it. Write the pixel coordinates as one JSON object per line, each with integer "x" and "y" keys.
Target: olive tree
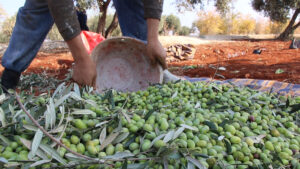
{"x": 278, "y": 10}
{"x": 169, "y": 23}
{"x": 102, "y": 6}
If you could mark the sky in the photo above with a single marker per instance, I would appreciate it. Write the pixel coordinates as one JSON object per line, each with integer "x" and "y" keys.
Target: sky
{"x": 187, "y": 18}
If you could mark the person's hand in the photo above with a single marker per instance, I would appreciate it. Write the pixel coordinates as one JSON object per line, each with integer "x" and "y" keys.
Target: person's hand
{"x": 84, "y": 72}
{"x": 156, "y": 53}
{"x": 154, "y": 48}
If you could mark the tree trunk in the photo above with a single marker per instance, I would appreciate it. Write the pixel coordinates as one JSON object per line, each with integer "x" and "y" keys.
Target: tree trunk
{"x": 291, "y": 27}
{"x": 113, "y": 25}
{"x": 103, "y": 6}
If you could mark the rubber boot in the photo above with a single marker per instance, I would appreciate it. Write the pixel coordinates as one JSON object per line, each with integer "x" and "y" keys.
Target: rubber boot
{"x": 9, "y": 80}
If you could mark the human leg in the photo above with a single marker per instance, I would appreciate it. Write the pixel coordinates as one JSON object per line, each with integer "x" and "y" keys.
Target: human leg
{"x": 32, "y": 26}
{"x": 131, "y": 18}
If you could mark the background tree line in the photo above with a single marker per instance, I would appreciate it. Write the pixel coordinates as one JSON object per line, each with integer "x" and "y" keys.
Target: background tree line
{"x": 221, "y": 21}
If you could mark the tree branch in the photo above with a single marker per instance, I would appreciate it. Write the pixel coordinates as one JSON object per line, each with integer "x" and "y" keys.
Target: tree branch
{"x": 46, "y": 133}
{"x": 296, "y": 26}
{"x": 113, "y": 25}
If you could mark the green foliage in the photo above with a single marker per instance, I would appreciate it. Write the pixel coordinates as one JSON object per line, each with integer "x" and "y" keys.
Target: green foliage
{"x": 221, "y": 5}
{"x": 7, "y": 29}
{"x": 87, "y": 4}
{"x": 172, "y": 23}
{"x": 169, "y": 23}
{"x": 184, "y": 31}
{"x": 277, "y": 10}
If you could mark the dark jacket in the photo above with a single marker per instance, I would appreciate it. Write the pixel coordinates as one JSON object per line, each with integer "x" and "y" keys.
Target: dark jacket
{"x": 64, "y": 15}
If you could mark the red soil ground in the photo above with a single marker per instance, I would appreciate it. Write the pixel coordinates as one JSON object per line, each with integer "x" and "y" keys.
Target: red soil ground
{"x": 237, "y": 57}
{"x": 240, "y": 62}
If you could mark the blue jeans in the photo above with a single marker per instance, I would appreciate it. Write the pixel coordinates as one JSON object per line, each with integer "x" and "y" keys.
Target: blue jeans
{"x": 34, "y": 22}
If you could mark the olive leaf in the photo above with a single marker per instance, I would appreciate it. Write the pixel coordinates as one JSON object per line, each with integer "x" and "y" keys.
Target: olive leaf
{"x": 157, "y": 138}
{"x": 175, "y": 155}
{"x": 228, "y": 146}
{"x": 50, "y": 115}
{"x": 30, "y": 127}
{"x": 169, "y": 136}
{"x": 178, "y": 132}
{"x": 297, "y": 156}
{"x": 101, "y": 123}
{"x": 110, "y": 97}
{"x": 174, "y": 95}
{"x": 109, "y": 140}
{"x": 2, "y": 117}
{"x": 212, "y": 126}
{"x": 76, "y": 89}
{"x": 41, "y": 162}
{"x": 39, "y": 153}
{"x": 295, "y": 108}
{"x": 5, "y": 140}
{"x": 124, "y": 166}
{"x": 82, "y": 112}
{"x": 2, "y": 98}
{"x": 126, "y": 116}
{"x": 53, "y": 153}
{"x": 102, "y": 135}
{"x": 220, "y": 138}
{"x": 166, "y": 165}
{"x": 62, "y": 99}
{"x": 230, "y": 111}
{"x": 149, "y": 114}
{"x": 190, "y": 165}
{"x": 196, "y": 154}
{"x": 35, "y": 143}
{"x": 11, "y": 109}
{"x": 131, "y": 140}
{"x": 119, "y": 155}
{"x": 3, "y": 160}
{"x": 137, "y": 166}
{"x": 74, "y": 157}
{"x": 279, "y": 71}
{"x": 121, "y": 137}
{"x": 62, "y": 111}
{"x": 258, "y": 139}
{"x": 197, "y": 105}
{"x": 189, "y": 127}
{"x": 58, "y": 129}
{"x": 59, "y": 89}
{"x": 224, "y": 122}
{"x": 14, "y": 119}
{"x": 195, "y": 162}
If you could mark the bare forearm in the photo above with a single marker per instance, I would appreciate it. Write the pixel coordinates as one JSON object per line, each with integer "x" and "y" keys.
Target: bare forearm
{"x": 153, "y": 26}
{"x": 154, "y": 48}
{"x": 77, "y": 48}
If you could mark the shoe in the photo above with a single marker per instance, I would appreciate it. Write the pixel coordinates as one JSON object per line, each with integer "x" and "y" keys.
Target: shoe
{"x": 169, "y": 77}
{"x": 9, "y": 80}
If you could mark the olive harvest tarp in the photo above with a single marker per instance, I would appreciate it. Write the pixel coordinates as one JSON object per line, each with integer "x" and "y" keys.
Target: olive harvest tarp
{"x": 281, "y": 88}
